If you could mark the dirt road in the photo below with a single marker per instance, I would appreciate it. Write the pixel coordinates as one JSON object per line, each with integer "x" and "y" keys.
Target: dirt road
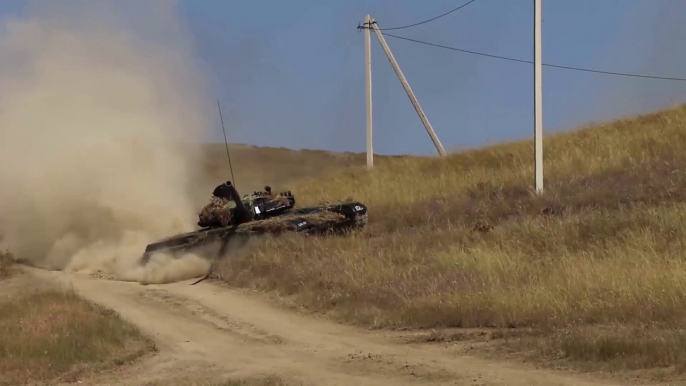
{"x": 208, "y": 331}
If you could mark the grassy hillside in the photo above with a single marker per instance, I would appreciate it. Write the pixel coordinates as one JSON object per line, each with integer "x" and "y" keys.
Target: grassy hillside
{"x": 463, "y": 242}
{"x": 255, "y": 167}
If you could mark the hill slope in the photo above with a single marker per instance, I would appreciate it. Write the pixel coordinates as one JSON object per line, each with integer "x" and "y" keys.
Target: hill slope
{"x": 255, "y": 167}
{"x": 462, "y": 242}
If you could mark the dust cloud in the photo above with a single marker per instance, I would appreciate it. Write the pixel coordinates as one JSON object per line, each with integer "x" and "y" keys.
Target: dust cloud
{"x": 98, "y": 105}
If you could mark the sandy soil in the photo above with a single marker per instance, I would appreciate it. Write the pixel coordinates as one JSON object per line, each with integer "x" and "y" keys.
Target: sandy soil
{"x": 208, "y": 332}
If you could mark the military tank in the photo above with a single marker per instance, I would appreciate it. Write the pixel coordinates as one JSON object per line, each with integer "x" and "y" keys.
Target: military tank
{"x": 234, "y": 221}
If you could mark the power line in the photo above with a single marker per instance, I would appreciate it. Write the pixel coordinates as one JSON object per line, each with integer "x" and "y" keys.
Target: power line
{"x": 432, "y": 19}
{"x": 459, "y": 49}
{"x": 531, "y": 62}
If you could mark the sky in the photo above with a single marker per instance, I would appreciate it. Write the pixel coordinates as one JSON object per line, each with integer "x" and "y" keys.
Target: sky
{"x": 291, "y": 73}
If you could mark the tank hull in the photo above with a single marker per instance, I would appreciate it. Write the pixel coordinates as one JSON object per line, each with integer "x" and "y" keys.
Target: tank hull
{"x": 214, "y": 242}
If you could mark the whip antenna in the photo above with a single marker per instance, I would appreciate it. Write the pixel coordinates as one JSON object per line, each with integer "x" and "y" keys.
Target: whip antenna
{"x": 226, "y": 143}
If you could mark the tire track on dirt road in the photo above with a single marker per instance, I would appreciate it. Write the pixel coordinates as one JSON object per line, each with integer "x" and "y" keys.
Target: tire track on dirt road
{"x": 207, "y": 328}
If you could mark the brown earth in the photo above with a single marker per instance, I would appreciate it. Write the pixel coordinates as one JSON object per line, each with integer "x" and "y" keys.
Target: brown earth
{"x": 208, "y": 332}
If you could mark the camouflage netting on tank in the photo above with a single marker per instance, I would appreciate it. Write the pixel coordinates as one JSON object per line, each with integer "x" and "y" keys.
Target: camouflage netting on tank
{"x": 278, "y": 224}
{"x": 346, "y": 200}
{"x": 279, "y": 199}
{"x": 216, "y": 213}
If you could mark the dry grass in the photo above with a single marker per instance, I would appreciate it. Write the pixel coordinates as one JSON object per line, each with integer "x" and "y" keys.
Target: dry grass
{"x": 462, "y": 241}
{"x": 612, "y": 347}
{"x": 51, "y": 335}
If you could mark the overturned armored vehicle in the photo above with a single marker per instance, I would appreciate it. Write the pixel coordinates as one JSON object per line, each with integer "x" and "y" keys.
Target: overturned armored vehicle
{"x": 230, "y": 220}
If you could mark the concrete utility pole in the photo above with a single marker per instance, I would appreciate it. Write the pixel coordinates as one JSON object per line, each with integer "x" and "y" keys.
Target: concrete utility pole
{"x": 538, "y": 96}
{"x": 408, "y": 90}
{"x": 368, "y": 84}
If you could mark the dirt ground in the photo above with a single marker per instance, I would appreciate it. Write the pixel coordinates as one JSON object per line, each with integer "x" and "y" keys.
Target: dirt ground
{"x": 207, "y": 333}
